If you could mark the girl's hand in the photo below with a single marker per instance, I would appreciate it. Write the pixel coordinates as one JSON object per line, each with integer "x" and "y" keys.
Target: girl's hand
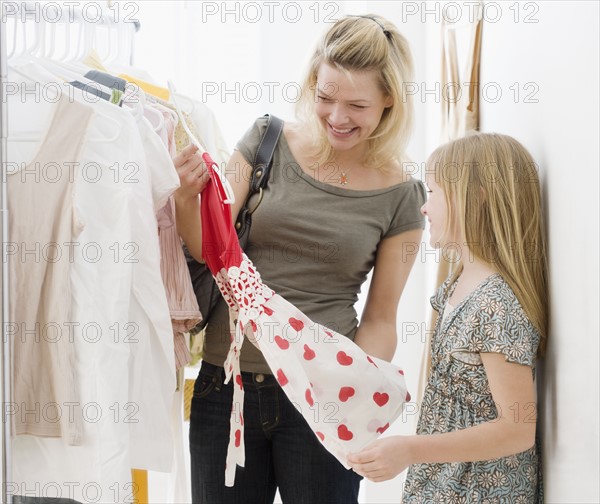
{"x": 193, "y": 175}
{"x": 382, "y": 460}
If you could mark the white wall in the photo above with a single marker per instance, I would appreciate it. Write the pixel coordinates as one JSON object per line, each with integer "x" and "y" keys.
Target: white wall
{"x": 560, "y": 55}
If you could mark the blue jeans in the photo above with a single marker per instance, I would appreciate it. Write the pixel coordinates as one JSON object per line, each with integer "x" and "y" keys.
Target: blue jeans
{"x": 281, "y": 449}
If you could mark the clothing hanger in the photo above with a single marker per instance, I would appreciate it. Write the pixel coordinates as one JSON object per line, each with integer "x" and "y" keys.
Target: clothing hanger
{"x": 173, "y": 113}
{"x": 85, "y": 42}
{"x": 48, "y": 42}
{"x": 125, "y": 38}
{"x": 104, "y": 27}
{"x": 124, "y": 35}
{"x": 36, "y": 52}
{"x": 464, "y": 20}
{"x": 73, "y": 56}
{"x": 65, "y": 54}
{"x": 13, "y": 49}
{"x": 148, "y": 109}
{"x": 40, "y": 33}
{"x": 224, "y": 187}
{"x": 135, "y": 99}
{"x": 58, "y": 70}
{"x": 54, "y": 94}
{"x": 63, "y": 73}
{"x": 24, "y": 49}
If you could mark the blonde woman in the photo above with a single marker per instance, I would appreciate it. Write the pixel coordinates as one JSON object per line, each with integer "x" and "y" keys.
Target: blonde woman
{"x": 337, "y": 205}
{"x": 476, "y": 434}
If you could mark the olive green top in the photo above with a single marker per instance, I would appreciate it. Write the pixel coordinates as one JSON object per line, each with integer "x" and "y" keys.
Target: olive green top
{"x": 314, "y": 244}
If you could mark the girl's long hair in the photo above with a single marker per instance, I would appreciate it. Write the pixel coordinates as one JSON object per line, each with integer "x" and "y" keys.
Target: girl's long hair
{"x": 493, "y": 195}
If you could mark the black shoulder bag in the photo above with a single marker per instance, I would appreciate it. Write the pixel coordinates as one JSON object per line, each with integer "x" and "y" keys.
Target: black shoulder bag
{"x": 205, "y": 288}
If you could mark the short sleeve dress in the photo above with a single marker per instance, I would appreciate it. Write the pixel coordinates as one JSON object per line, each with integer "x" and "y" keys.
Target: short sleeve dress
{"x": 458, "y": 396}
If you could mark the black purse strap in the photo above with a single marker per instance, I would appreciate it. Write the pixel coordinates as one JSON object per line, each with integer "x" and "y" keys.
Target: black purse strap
{"x": 263, "y": 161}
{"x": 261, "y": 167}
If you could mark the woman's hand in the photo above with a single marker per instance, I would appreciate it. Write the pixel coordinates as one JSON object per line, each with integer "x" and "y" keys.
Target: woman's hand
{"x": 382, "y": 460}
{"x": 193, "y": 175}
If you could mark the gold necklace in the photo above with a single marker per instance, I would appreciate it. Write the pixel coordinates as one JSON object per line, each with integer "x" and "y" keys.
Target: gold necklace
{"x": 343, "y": 179}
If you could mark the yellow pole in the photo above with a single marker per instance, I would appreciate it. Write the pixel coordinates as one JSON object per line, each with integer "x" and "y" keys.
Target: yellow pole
{"x": 140, "y": 486}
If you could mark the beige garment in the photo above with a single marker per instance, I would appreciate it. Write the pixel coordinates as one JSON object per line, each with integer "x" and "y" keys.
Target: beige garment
{"x": 460, "y": 114}
{"x": 42, "y": 225}
{"x": 460, "y": 103}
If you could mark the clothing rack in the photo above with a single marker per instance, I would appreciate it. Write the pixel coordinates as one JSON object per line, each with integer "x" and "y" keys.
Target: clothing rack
{"x": 27, "y": 12}
{"x": 4, "y": 348}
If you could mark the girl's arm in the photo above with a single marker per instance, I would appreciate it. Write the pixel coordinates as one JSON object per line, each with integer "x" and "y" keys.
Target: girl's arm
{"x": 513, "y": 390}
{"x": 396, "y": 255}
{"x": 193, "y": 177}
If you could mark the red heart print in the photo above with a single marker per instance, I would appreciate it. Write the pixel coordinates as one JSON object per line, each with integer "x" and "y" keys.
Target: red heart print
{"x": 344, "y": 433}
{"x": 281, "y": 378}
{"x": 371, "y": 361}
{"x": 238, "y": 437}
{"x": 308, "y": 397}
{"x": 267, "y": 310}
{"x": 407, "y": 397}
{"x": 282, "y": 343}
{"x": 344, "y": 359}
{"x": 329, "y": 334}
{"x": 309, "y": 353}
{"x": 381, "y": 430}
{"x": 346, "y": 393}
{"x": 298, "y": 325}
{"x": 321, "y": 435}
{"x": 401, "y": 372}
{"x": 238, "y": 380}
{"x": 381, "y": 399}
{"x": 253, "y": 324}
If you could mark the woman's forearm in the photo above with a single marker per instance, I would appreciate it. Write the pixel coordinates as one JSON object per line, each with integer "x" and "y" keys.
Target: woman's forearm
{"x": 189, "y": 223}
{"x": 378, "y": 339}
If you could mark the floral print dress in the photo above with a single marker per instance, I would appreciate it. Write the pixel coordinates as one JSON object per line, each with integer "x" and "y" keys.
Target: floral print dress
{"x": 458, "y": 396}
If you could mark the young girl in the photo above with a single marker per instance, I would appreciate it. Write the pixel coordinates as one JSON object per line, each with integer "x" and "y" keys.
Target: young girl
{"x": 476, "y": 433}
{"x": 338, "y": 204}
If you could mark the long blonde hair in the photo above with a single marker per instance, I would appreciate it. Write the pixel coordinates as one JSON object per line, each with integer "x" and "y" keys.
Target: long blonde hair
{"x": 493, "y": 195}
{"x": 361, "y": 43}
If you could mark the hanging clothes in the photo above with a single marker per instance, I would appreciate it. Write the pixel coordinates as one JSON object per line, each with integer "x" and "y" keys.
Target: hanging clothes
{"x": 316, "y": 367}
{"x": 460, "y": 107}
{"x": 124, "y": 352}
{"x": 183, "y": 305}
{"x": 42, "y": 224}
{"x": 123, "y": 337}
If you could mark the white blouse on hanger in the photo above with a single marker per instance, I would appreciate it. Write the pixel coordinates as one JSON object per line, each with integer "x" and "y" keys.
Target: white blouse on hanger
{"x": 123, "y": 336}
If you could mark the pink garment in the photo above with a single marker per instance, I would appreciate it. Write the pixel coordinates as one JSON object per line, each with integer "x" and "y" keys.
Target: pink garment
{"x": 183, "y": 305}
{"x": 347, "y": 397}
{"x": 43, "y": 227}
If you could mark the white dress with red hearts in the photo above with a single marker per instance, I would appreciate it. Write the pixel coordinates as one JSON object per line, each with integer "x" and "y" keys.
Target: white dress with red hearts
{"x": 347, "y": 397}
